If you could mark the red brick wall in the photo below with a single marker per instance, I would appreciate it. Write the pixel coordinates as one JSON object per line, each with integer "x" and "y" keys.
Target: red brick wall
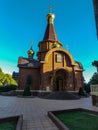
{"x": 24, "y": 72}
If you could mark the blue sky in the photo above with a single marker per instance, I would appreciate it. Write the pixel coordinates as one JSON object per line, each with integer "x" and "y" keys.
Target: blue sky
{"x": 23, "y": 21}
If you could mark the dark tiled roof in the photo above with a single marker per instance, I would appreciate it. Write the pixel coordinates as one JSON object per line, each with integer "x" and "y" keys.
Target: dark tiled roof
{"x": 28, "y": 62}
{"x": 79, "y": 65}
{"x": 50, "y": 33}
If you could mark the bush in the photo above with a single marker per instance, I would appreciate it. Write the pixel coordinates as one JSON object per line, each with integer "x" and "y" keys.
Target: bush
{"x": 81, "y": 92}
{"x": 8, "y": 88}
{"x": 27, "y": 91}
{"x": 87, "y": 88}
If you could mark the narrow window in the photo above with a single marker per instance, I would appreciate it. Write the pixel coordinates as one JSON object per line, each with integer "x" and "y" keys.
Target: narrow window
{"x": 59, "y": 58}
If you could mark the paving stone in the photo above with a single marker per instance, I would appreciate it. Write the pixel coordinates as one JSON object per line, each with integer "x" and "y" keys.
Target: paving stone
{"x": 35, "y": 110}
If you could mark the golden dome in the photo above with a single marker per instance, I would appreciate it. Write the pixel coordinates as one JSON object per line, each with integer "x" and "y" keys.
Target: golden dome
{"x": 58, "y": 45}
{"x": 50, "y": 17}
{"x": 54, "y": 45}
{"x": 30, "y": 53}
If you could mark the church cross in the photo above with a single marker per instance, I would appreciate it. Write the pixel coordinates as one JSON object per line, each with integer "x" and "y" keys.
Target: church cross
{"x": 31, "y": 43}
{"x": 50, "y": 8}
{"x": 67, "y": 47}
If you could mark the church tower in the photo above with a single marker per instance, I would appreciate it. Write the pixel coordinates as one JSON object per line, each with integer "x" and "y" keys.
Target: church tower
{"x": 50, "y": 38}
{"x": 57, "y": 66}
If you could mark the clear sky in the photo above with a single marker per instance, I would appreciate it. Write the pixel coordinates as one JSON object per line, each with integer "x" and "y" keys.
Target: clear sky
{"x": 23, "y": 21}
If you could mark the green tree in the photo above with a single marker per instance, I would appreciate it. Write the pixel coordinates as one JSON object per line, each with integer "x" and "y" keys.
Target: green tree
{"x": 87, "y": 87}
{"x": 94, "y": 79}
{"x": 95, "y": 63}
{"x": 6, "y": 79}
{"x": 0, "y": 70}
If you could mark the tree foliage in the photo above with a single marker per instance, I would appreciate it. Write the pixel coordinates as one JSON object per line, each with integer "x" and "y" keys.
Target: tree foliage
{"x": 27, "y": 91}
{"x": 94, "y": 79}
{"x": 6, "y": 79}
{"x": 87, "y": 88}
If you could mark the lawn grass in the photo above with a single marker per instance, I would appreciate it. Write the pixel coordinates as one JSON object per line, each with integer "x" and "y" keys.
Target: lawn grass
{"x": 79, "y": 120}
{"x": 8, "y": 126}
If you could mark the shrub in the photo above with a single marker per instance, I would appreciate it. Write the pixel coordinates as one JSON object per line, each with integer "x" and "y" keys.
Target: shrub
{"x": 8, "y": 88}
{"x": 27, "y": 91}
{"x": 81, "y": 92}
{"x": 87, "y": 88}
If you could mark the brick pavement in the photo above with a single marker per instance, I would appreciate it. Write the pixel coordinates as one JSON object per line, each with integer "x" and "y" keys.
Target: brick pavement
{"x": 35, "y": 110}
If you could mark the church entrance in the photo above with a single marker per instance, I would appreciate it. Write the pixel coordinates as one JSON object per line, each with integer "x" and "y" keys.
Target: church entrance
{"x": 59, "y": 83}
{"x": 60, "y": 78}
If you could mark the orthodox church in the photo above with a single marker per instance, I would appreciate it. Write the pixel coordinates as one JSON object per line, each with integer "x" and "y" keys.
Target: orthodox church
{"x": 54, "y": 69}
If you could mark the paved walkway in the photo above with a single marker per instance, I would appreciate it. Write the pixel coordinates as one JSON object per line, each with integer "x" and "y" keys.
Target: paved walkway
{"x": 35, "y": 110}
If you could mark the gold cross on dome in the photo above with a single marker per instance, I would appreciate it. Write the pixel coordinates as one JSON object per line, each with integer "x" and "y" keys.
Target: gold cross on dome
{"x": 31, "y": 43}
{"x": 50, "y": 8}
{"x": 67, "y": 47}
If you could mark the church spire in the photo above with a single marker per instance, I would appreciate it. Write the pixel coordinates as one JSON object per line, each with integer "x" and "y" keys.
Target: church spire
{"x": 50, "y": 31}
